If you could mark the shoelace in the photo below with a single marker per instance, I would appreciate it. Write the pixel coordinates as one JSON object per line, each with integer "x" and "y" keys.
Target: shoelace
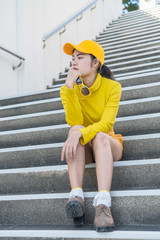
{"x": 102, "y": 208}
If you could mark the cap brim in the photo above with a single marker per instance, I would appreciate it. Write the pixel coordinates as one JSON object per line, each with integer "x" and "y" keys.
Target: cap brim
{"x": 69, "y": 47}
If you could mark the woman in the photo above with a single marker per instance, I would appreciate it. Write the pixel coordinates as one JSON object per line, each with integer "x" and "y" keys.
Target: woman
{"x": 91, "y": 108}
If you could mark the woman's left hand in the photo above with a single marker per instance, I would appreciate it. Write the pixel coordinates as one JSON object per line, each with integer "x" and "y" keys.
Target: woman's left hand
{"x": 70, "y": 146}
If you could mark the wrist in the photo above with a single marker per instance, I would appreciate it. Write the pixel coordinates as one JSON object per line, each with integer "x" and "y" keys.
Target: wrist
{"x": 80, "y": 134}
{"x": 70, "y": 86}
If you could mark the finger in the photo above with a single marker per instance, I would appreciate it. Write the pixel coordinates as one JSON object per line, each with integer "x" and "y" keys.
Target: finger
{"x": 62, "y": 153}
{"x": 67, "y": 153}
{"x": 74, "y": 151}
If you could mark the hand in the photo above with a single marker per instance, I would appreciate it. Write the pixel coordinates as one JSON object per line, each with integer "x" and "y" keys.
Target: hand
{"x": 72, "y": 77}
{"x": 70, "y": 146}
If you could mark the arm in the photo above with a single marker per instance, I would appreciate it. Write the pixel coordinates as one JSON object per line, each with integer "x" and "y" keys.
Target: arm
{"x": 108, "y": 117}
{"x": 71, "y": 106}
{"x": 70, "y": 100}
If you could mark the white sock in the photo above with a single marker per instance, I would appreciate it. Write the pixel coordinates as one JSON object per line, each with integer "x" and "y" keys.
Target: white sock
{"x": 76, "y": 192}
{"x": 102, "y": 197}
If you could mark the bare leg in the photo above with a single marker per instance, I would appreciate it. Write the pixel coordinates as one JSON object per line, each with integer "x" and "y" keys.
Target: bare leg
{"x": 76, "y": 166}
{"x": 106, "y": 150}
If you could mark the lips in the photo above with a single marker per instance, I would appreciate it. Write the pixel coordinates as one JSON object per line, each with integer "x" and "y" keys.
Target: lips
{"x": 75, "y": 68}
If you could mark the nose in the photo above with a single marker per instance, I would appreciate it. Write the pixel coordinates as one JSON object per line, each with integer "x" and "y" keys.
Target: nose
{"x": 74, "y": 63}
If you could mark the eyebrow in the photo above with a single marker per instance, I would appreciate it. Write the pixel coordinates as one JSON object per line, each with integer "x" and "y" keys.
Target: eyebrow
{"x": 78, "y": 54}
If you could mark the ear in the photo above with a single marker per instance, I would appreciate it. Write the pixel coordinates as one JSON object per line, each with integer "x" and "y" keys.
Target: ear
{"x": 96, "y": 63}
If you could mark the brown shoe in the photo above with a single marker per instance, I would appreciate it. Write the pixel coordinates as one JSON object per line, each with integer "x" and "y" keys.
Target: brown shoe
{"x": 75, "y": 209}
{"x": 103, "y": 220}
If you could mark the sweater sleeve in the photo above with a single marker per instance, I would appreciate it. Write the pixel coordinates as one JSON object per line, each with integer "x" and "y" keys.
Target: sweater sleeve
{"x": 107, "y": 119}
{"x": 71, "y": 106}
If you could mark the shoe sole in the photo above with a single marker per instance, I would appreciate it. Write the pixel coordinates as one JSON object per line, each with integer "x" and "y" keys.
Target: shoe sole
{"x": 104, "y": 229}
{"x": 75, "y": 210}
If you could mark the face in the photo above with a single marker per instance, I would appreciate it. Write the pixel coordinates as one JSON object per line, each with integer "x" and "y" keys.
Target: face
{"x": 82, "y": 62}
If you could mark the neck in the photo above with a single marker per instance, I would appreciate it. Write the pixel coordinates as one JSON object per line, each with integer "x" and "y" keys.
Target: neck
{"x": 89, "y": 80}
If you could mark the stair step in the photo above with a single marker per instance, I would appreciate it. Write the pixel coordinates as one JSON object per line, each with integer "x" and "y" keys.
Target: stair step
{"x": 131, "y": 66}
{"x": 138, "y": 32}
{"x": 141, "y": 46}
{"x": 141, "y": 78}
{"x": 140, "y": 91}
{"x": 135, "y": 57}
{"x": 123, "y": 41}
{"x": 138, "y": 124}
{"x": 48, "y": 94}
{"x": 149, "y": 61}
{"x": 133, "y": 53}
{"x": 139, "y": 63}
{"x": 148, "y": 67}
{"x": 126, "y": 175}
{"x": 129, "y": 107}
{"x": 135, "y": 147}
{"x": 38, "y": 209}
{"x": 34, "y": 136}
{"x": 139, "y": 106}
{"x": 77, "y": 234}
{"x": 51, "y": 93}
{"x": 128, "y": 37}
{"x": 126, "y": 25}
{"x": 57, "y": 117}
{"x": 129, "y": 18}
{"x": 143, "y": 67}
{"x": 33, "y": 120}
{"x": 142, "y": 27}
{"x": 58, "y": 133}
{"x": 131, "y": 73}
{"x": 125, "y": 81}
{"x": 31, "y": 107}
{"x": 136, "y": 42}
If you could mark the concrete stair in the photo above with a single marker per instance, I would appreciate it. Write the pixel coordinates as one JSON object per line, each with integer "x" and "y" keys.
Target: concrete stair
{"x": 34, "y": 182}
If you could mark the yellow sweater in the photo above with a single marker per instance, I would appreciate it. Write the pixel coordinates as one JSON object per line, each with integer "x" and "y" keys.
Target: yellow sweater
{"x": 96, "y": 112}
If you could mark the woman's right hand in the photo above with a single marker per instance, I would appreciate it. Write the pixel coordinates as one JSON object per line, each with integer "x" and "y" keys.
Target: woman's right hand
{"x": 72, "y": 77}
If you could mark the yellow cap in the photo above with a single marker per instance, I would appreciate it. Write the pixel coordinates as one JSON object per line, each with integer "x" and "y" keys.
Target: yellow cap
{"x": 87, "y": 46}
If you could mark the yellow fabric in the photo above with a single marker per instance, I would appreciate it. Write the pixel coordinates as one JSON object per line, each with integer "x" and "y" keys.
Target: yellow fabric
{"x": 104, "y": 191}
{"x": 96, "y": 112}
{"x": 76, "y": 188}
{"x": 87, "y": 46}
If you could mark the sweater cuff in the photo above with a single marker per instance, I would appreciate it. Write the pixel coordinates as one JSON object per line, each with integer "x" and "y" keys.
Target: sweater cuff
{"x": 69, "y": 90}
{"x": 82, "y": 140}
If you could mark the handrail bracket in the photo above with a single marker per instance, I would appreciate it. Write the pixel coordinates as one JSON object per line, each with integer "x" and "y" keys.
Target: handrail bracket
{"x": 78, "y": 19}
{"x": 16, "y": 67}
{"x": 92, "y": 8}
{"x": 64, "y": 29}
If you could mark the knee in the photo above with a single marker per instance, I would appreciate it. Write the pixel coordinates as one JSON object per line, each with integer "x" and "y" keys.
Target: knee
{"x": 75, "y": 128}
{"x": 101, "y": 140}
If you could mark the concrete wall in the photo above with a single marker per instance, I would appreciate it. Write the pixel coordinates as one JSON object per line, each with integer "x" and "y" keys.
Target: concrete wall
{"x": 21, "y": 25}
{"x": 8, "y": 39}
{"x": 144, "y": 4}
{"x": 92, "y": 23}
{"x": 25, "y": 22}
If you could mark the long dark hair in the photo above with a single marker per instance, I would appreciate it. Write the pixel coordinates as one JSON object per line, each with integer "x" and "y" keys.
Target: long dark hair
{"x": 104, "y": 70}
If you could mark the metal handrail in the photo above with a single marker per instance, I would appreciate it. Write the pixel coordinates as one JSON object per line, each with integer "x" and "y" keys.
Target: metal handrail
{"x": 47, "y": 36}
{"x": 21, "y": 58}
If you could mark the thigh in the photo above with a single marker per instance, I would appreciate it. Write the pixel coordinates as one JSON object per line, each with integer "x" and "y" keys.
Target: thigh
{"x": 114, "y": 144}
{"x": 116, "y": 149}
